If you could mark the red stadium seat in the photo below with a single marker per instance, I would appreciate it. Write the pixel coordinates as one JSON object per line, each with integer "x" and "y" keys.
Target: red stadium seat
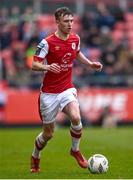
{"x": 129, "y": 16}
{"x": 117, "y": 35}
{"x": 129, "y": 34}
{"x": 129, "y": 25}
{"x": 120, "y": 26}
{"x": 130, "y": 42}
{"x": 47, "y": 23}
{"x": 94, "y": 53}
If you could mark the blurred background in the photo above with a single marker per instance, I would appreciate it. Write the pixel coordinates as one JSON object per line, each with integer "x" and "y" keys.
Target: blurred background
{"x": 106, "y": 31}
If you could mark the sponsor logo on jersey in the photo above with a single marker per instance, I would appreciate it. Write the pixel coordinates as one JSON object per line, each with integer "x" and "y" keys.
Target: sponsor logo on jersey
{"x": 66, "y": 58}
{"x": 66, "y": 62}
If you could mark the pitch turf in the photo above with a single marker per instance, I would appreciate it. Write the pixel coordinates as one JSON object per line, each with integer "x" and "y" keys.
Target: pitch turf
{"x": 56, "y": 163}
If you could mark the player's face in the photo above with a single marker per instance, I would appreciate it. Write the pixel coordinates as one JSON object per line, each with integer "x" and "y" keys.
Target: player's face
{"x": 65, "y": 23}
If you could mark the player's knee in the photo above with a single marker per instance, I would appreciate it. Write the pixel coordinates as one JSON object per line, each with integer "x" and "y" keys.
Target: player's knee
{"x": 75, "y": 119}
{"x": 48, "y": 135}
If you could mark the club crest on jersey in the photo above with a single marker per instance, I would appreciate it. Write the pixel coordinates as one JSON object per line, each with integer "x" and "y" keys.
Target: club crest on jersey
{"x": 73, "y": 46}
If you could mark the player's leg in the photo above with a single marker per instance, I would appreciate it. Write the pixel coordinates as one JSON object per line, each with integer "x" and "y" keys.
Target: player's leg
{"x": 73, "y": 112}
{"x": 48, "y": 108}
{"x": 40, "y": 142}
{"x": 43, "y": 138}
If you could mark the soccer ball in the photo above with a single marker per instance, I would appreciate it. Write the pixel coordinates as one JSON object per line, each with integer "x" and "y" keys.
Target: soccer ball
{"x": 98, "y": 164}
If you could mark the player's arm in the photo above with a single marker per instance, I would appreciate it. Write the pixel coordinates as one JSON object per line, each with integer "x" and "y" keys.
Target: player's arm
{"x": 38, "y": 66}
{"x": 37, "y": 63}
{"x": 94, "y": 65}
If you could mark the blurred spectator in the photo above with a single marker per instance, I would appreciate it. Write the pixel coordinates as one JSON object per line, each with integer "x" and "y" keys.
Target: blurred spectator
{"x": 15, "y": 15}
{"x": 119, "y": 15}
{"x": 107, "y": 118}
{"x": 4, "y": 16}
{"x": 29, "y": 19}
{"x": 105, "y": 35}
{"x": 106, "y": 39}
{"x": 31, "y": 47}
{"x": 93, "y": 38}
{"x": 29, "y": 54}
{"x": 89, "y": 19}
{"x": 5, "y": 36}
{"x": 109, "y": 57}
{"x": 7, "y": 58}
{"x": 105, "y": 18}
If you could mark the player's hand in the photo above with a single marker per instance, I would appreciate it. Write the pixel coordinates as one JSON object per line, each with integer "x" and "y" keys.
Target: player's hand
{"x": 97, "y": 66}
{"x": 55, "y": 68}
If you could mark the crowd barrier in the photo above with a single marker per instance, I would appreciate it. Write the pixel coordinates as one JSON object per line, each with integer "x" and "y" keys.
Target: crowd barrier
{"x": 21, "y": 106}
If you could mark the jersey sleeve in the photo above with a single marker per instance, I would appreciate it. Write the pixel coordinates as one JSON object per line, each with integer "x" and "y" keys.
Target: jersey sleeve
{"x": 78, "y": 48}
{"x": 42, "y": 51}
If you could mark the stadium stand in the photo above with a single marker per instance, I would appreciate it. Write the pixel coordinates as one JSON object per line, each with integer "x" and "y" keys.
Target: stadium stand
{"x": 106, "y": 33}
{"x": 21, "y": 32}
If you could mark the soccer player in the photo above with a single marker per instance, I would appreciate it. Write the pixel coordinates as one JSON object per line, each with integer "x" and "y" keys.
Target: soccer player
{"x": 54, "y": 56}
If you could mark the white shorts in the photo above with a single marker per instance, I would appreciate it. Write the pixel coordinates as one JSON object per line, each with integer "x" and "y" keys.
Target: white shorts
{"x": 51, "y": 104}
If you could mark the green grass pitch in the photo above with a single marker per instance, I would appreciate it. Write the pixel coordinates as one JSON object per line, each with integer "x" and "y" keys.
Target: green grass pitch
{"x": 16, "y": 145}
